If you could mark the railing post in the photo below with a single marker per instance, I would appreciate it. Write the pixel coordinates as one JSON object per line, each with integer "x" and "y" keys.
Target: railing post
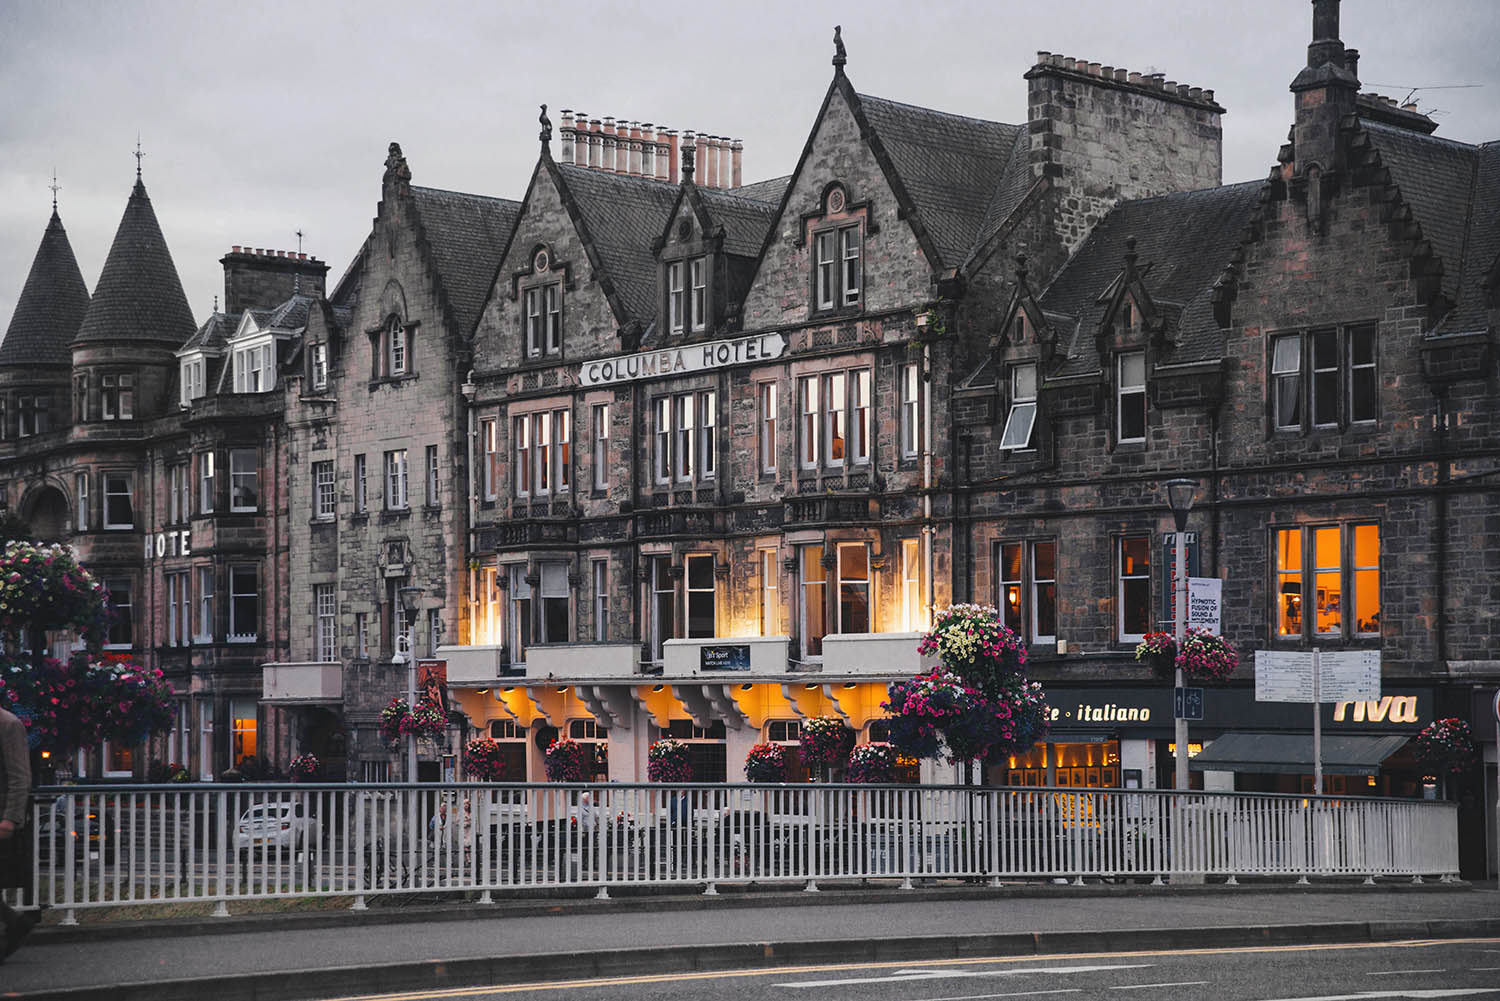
{"x": 223, "y": 826}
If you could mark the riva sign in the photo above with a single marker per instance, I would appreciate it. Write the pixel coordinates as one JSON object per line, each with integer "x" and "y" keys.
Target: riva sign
{"x": 682, "y": 360}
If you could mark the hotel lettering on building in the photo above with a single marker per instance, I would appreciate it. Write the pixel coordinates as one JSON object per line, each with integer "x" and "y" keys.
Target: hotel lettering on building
{"x": 666, "y": 452}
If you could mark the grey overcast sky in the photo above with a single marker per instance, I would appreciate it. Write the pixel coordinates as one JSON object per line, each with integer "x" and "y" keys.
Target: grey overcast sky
{"x": 262, "y": 117}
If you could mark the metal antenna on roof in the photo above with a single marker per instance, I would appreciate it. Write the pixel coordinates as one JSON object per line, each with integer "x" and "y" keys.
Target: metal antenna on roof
{"x": 299, "y": 241}
{"x": 55, "y": 188}
{"x": 1411, "y": 91}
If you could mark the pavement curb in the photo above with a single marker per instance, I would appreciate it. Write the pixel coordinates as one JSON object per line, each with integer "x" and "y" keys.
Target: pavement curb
{"x": 627, "y": 902}
{"x": 566, "y": 967}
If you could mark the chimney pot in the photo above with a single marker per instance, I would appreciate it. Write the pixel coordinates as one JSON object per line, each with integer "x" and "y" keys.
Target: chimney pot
{"x": 1068, "y": 62}
{"x": 1412, "y": 106}
{"x": 1094, "y": 69}
{"x": 736, "y": 153}
{"x": 235, "y": 249}
{"x": 1208, "y": 94}
{"x": 1134, "y": 77}
{"x": 1042, "y": 57}
{"x": 1196, "y": 93}
{"x": 1108, "y": 72}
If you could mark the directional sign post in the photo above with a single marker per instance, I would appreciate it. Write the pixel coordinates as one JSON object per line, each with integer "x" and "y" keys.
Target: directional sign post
{"x": 1187, "y": 703}
{"x": 1317, "y": 677}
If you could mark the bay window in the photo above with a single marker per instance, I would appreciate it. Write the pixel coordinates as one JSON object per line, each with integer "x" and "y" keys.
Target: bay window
{"x": 518, "y": 624}
{"x": 203, "y": 629}
{"x": 489, "y": 436}
{"x": 837, "y": 425}
{"x": 544, "y": 458}
{"x": 662, "y": 611}
{"x": 814, "y": 604}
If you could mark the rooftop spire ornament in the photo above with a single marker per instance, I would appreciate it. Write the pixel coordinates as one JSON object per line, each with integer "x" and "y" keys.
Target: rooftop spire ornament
{"x": 546, "y": 134}
{"x": 840, "y": 56}
{"x": 55, "y": 189}
{"x": 138, "y": 156}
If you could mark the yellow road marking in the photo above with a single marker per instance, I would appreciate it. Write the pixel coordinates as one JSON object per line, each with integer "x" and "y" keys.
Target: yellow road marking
{"x": 767, "y": 971}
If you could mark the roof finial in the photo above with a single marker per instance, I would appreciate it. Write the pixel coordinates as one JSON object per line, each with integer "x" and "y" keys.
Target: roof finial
{"x": 138, "y": 156}
{"x": 546, "y": 134}
{"x": 840, "y": 56}
{"x": 55, "y": 189}
{"x": 1021, "y": 268}
{"x": 1130, "y": 256}
{"x": 299, "y": 241}
{"x": 216, "y": 304}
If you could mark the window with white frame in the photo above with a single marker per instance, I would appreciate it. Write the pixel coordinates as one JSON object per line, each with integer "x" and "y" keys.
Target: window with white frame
{"x": 814, "y": 604}
{"x": 911, "y": 410}
{"x": 686, "y": 442}
{"x": 787, "y": 733}
{"x": 252, "y": 368}
{"x": 244, "y": 479}
{"x": 362, "y": 635}
{"x": 767, "y": 421}
{"x": 206, "y": 483}
{"x": 518, "y": 624}
{"x": 244, "y": 603}
{"x": 1134, "y": 591}
{"x": 836, "y": 425}
{"x": 1027, "y": 583}
{"x": 179, "y": 608}
{"x": 395, "y": 480}
{"x": 522, "y": 440}
{"x": 600, "y": 575}
{"x": 203, "y": 627}
{"x": 662, "y": 621}
{"x": 699, "y": 595}
{"x": 1021, "y": 421}
{"x": 361, "y": 485}
{"x": 543, "y": 317}
{"x": 325, "y": 631}
{"x": 179, "y": 493}
{"x": 433, "y": 495}
{"x": 852, "y": 610}
{"x": 119, "y": 506}
{"x": 770, "y": 593}
{"x": 913, "y": 604}
{"x": 319, "y": 363}
{"x": 397, "y": 348}
{"x": 1327, "y": 582}
{"x": 1130, "y": 396}
{"x": 117, "y": 396}
{"x": 555, "y": 599}
{"x": 121, "y": 624}
{"x": 81, "y": 486}
{"x": 491, "y": 611}
{"x": 837, "y": 272}
{"x": 687, "y": 295}
{"x": 1324, "y": 378}
{"x": 489, "y": 437}
{"x": 434, "y": 631}
{"x": 190, "y": 380}
{"x": 243, "y": 731}
{"x": 325, "y": 499}
{"x": 544, "y": 457}
{"x": 601, "y": 446}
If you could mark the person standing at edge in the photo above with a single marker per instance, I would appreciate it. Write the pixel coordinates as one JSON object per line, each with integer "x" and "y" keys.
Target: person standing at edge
{"x": 15, "y": 788}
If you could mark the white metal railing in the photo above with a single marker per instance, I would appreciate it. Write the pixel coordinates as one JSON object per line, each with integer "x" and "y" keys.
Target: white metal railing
{"x": 123, "y": 845}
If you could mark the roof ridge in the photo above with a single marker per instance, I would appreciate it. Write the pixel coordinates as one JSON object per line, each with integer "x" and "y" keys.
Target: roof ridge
{"x": 1379, "y": 126}
{"x": 462, "y": 194}
{"x": 595, "y": 172}
{"x": 937, "y": 111}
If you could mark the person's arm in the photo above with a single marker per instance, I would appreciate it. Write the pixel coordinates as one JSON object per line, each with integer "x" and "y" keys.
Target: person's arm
{"x": 17, "y": 775}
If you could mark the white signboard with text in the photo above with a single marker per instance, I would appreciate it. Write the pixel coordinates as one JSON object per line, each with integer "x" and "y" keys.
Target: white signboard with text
{"x": 680, "y": 360}
{"x": 1344, "y": 675}
{"x": 1205, "y": 600}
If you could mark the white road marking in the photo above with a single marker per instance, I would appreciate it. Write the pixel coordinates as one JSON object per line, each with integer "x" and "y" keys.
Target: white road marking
{"x": 1420, "y": 994}
{"x": 1397, "y": 973}
{"x": 1022, "y": 994}
{"x": 1140, "y": 987}
{"x": 901, "y": 976}
{"x": 1484, "y": 969}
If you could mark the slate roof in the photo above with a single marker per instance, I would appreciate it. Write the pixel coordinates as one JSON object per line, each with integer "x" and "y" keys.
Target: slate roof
{"x": 467, "y": 234}
{"x": 52, "y": 304}
{"x": 1183, "y": 243}
{"x": 764, "y": 191}
{"x": 139, "y": 296}
{"x": 623, "y": 215}
{"x": 1453, "y": 189}
{"x": 213, "y": 335}
{"x": 952, "y": 166}
{"x": 745, "y": 220}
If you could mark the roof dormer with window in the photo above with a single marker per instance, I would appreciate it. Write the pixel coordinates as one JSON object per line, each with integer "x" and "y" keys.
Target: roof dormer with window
{"x": 835, "y": 234}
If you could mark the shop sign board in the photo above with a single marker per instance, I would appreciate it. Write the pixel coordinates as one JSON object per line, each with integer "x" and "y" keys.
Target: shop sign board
{"x": 1168, "y": 565}
{"x": 1205, "y": 599}
{"x": 728, "y": 657}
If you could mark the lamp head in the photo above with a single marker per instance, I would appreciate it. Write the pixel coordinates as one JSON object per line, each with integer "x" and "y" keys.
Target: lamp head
{"x": 1180, "y": 494}
{"x": 411, "y": 598}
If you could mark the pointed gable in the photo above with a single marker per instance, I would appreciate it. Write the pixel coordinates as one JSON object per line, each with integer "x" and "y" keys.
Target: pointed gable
{"x": 466, "y": 234}
{"x": 139, "y": 296}
{"x": 52, "y": 304}
{"x": 618, "y": 217}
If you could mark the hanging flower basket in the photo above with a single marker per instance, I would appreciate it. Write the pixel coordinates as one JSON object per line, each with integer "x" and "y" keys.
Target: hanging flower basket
{"x": 872, "y": 763}
{"x": 667, "y": 761}
{"x": 427, "y": 721}
{"x": 765, "y": 763}
{"x": 483, "y": 760}
{"x": 1448, "y": 745}
{"x": 974, "y": 643}
{"x": 1205, "y": 657}
{"x": 304, "y": 768}
{"x": 82, "y": 702}
{"x": 1158, "y": 651}
{"x": 937, "y": 709}
{"x": 564, "y": 760}
{"x": 45, "y": 587}
{"x": 826, "y": 740}
{"x": 391, "y": 716}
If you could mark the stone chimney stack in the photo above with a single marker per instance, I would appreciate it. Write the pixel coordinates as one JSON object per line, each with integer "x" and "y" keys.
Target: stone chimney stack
{"x": 648, "y": 150}
{"x": 256, "y": 278}
{"x": 565, "y": 135}
{"x": 668, "y": 151}
{"x": 1326, "y": 91}
{"x": 596, "y": 142}
{"x": 711, "y": 171}
{"x": 737, "y": 155}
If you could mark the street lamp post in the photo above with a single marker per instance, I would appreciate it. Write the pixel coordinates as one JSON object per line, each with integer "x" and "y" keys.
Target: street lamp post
{"x": 1180, "y": 493}
{"x": 410, "y": 598}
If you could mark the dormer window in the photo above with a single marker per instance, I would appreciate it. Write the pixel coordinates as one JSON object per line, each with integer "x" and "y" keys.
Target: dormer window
{"x": 190, "y": 382}
{"x": 543, "y": 320}
{"x": 252, "y": 369}
{"x": 1022, "y": 419}
{"x": 319, "y": 363}
{"x": 838, "y": 267}
{"x": 396, "y": 348}
{"x": 687, "y": 295}
{"x": 1130, "y": 396}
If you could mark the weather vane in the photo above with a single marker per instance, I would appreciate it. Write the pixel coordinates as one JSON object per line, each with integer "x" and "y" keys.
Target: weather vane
{"x": 55, "y": 189}
{"x": 138, "y": 155}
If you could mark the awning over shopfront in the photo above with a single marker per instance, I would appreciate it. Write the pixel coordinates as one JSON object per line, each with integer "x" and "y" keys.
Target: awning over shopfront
{"x": 1292, "y": 753}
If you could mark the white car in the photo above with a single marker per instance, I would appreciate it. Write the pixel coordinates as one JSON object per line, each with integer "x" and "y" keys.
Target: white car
{"x": 275, "y": 828}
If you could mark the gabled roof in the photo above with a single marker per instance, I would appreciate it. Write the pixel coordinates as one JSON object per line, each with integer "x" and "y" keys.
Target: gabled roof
{"x": 467, "y": 234}
{"x": 1183, "y": 243}
{"x": 951, "y": 166}
{"x": 52, "y": 304}
{"x": 139, "y": 296}
{"x": 745, "y": 220}
{"x": 618, "y": 218}
{"x": 213, "y": 336}
{"x": 1453, "y": 190}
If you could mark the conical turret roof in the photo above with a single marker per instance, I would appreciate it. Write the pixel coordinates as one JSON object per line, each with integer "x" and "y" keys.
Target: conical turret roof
{"x": 52, "y": 304}
{"x": 139, "y": 296}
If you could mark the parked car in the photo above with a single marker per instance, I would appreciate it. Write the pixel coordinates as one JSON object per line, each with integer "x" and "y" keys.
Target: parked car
{"x": 278, "y": 828}
{"x": 86, "y": 833}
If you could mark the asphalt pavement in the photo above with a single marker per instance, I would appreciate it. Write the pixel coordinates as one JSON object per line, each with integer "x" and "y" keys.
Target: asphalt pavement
{"x": 330, "y": 953}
